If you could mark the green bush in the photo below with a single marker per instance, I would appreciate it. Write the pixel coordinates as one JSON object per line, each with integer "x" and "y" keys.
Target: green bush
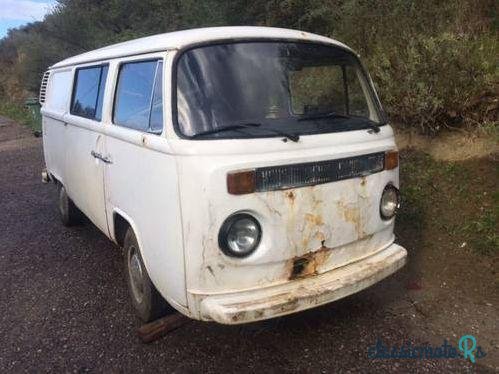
{"x": 434, "y": 62}
{"x": 436, "y": 82}
{"x": 20, "y": 113}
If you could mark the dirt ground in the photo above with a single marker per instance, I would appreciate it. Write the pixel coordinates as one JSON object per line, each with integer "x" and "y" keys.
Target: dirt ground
{"x": 64, "y": 305}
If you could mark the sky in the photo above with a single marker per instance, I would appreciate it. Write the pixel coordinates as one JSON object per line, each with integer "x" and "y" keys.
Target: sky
{"x": 14, "y": 13}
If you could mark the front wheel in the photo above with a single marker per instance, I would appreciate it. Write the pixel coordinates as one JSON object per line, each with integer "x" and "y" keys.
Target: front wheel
{"x": 69, "y": 213}
{"x": 147, "y": 302}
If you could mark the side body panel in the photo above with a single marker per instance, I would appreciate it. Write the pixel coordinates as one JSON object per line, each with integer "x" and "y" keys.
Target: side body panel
{"x": 141, "y": 184}
{"x": 68, "y": 141}
{"x": 53, "y": 121}
{"x": 84, "y": 179}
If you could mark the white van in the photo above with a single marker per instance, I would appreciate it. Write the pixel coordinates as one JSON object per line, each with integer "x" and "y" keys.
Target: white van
{"x": 248, "y": 172}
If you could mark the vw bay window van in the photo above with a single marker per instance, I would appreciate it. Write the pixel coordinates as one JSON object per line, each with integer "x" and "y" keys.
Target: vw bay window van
{"x": 248, "y": 172}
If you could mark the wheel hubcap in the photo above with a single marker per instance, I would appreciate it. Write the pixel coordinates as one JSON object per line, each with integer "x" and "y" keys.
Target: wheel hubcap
{"x": 136, "y": 275}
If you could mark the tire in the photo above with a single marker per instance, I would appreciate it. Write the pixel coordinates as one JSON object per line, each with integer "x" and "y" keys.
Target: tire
{"x": 69, "y": 213}
{"x": 146, "y": 300}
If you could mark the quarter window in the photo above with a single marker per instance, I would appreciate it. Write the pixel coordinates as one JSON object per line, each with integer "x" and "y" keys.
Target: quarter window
{"x": 139, "y": 99}
{"x": 88, "y": 92}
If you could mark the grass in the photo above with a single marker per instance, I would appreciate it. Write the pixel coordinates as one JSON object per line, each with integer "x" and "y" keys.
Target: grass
{"x": 490, "y": 128}
{"x": 20, "y": 113}
{"x": 484, "y": 227}
{"x": 452, "y": 201}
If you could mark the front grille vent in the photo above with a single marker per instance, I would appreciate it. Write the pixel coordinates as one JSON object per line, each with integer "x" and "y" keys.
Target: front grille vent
{"x": 308, "y": 174}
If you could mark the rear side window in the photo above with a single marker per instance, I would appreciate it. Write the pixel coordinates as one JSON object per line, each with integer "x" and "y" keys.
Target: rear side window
{"x": 139, "y": 100}
{"x": 88, "y": 92}
{"x": 58, "y": 91}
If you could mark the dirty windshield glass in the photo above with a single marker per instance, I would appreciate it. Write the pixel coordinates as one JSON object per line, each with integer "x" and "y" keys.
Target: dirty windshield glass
{"x": 296, "y": 88}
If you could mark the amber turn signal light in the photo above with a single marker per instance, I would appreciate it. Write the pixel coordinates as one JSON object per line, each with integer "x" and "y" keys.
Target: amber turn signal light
{"x": 391, "y": 160}
{"x": 241, "y": 182}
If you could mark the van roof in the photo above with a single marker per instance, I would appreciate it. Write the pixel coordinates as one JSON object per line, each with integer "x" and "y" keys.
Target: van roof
{"x": 180, "y": 39}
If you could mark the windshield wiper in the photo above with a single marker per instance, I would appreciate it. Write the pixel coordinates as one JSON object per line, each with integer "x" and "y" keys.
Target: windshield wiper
{"x": 322, "y": 115}
{"x": 226, "y": 128}
{"x": 249, "y": 125}
{"x": 374, "y": 127}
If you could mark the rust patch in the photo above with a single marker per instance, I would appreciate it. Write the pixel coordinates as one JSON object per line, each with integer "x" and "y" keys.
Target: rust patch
{"x": 239, "y": 316}
{"x": 259, "y": 314}
{"x": 320, "y": 236}
{"x": 291, "y": 196}
{"x": 289, "y": 306}
{"x": 315, "y": 202}
{"x": 352, "y": 215}
{"x": 363, "y": 181}
{"x": 308, "y": 264}
{"x": 315, "y": 219}
{"x": 267, "y": 300}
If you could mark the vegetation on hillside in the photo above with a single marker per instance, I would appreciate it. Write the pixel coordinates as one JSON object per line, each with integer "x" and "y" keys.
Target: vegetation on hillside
{"x": 434, "y": 62}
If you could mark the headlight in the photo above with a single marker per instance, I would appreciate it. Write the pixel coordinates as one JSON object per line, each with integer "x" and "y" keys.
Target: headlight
{"x": 390, "y": 202}
{"x": 239, "y": 235}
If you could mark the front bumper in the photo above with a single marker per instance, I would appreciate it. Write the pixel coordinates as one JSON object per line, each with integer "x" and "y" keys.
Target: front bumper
{"x": 304, "y": 293}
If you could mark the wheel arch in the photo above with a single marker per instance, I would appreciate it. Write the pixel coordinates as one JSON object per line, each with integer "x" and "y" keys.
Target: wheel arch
{"x": 55, "y": 178}
{"x": 120, "y": 227}
{"x": 121, "y": 222}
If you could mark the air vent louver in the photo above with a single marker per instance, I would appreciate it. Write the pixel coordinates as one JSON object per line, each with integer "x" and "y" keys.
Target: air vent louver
{"x": 43, "y": 87}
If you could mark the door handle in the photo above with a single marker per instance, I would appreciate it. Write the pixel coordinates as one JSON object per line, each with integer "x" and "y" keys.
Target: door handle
{"x": 104, "y": 159}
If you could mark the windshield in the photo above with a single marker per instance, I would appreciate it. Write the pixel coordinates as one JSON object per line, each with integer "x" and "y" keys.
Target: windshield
{"x": 295, "y": 88}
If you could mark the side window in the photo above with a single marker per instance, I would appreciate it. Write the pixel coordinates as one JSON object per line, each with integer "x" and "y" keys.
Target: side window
{"x": 88, "y": 92}
{"x": 139, "y": 100}
{"x": 156, "y": 121}
{"x": 58, "y": 91}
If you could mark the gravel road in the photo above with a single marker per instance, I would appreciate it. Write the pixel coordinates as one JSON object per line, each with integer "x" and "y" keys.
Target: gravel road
{"x": 64, "y": 305}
